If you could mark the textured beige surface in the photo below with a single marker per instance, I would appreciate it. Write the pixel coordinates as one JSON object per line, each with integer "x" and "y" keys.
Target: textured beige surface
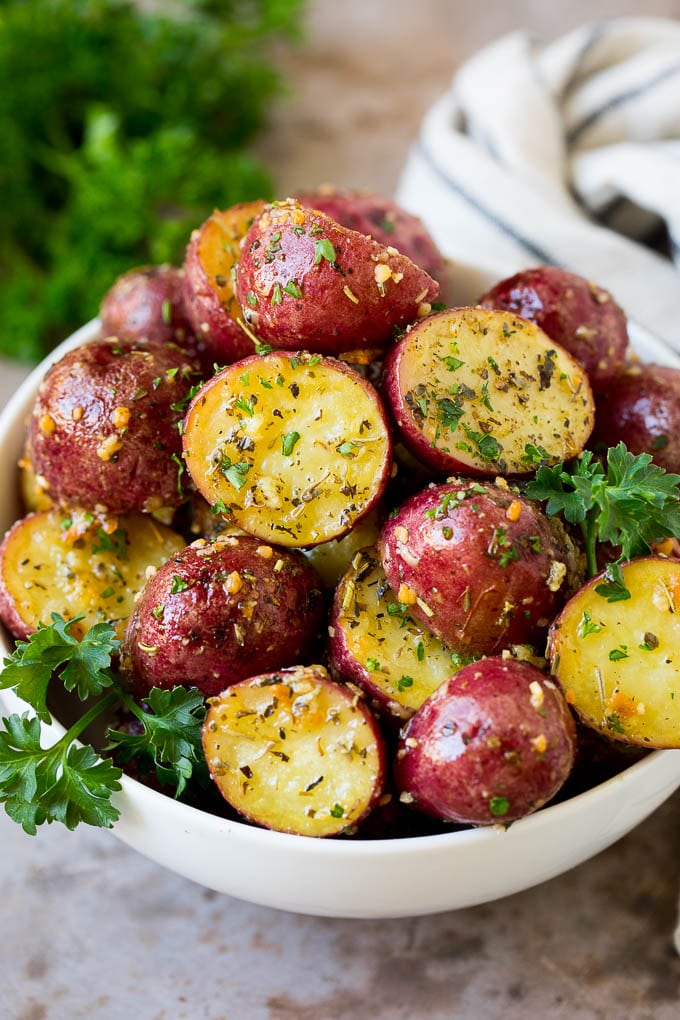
{"x": 90, "y": 929}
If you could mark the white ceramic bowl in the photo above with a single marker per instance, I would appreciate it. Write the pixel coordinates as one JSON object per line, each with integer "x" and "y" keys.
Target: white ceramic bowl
{"x": 374, "y": 878}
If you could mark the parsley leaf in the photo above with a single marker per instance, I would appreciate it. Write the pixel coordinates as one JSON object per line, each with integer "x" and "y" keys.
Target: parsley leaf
{"x": 171, "y": 734}
{"x": 82, "y": 665}
{"x": 631, "y": 503}
{"x": 63, "y": 783}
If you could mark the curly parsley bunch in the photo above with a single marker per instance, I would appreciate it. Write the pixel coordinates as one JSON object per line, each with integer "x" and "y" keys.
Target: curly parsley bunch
{"x": 122, "y": 129}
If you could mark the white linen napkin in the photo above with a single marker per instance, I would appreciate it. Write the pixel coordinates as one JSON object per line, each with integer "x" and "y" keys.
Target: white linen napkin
{"x": 533, "y": 142}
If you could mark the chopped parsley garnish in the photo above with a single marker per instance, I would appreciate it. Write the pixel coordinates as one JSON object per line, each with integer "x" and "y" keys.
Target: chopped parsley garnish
{"x": 499, "y": 806}
{"x": 372, "y": 664}
{"x": 178, "y": 585}
{"x": 288, "y": 441}
{"x": 587, "y": 625}
{"x": 323, "y": 249}
{"x": 235, "y": 473}
{"x": 337, "y": 811}
{"x": 292, "y": 289}
{"x": 115, "y": 542}
{"x": 616, "y": 654}
{"x": 453, "y": 364}
{"x": 247, "y": 406}
{"x": 404, "y": 682}
{"x": 612, "y": 587}
{"x": 488, "y": 448}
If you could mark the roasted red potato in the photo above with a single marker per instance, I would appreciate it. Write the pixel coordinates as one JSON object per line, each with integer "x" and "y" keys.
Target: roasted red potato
{"x": 492, "y": 744}
{"x": 478, "y": 564}
{"x": 104, "y": 427}
{"x": 294, "y": 751}
{"x": 380, "y": 218}
{"x": 482, "y": 392}
{"x": 641, "y": 407}
{"x": 615, "y": 656}
{"x": 293, "y": 448}
{"x": 76, "y": 564}
{"x": 375, "y": 642}
{"x": 305, "y": 282}
{"x": 146, "y": 305}
{"x": 219, "y": 611}
{"x": 209, "y": 269}
{"x": 574, "y": 312}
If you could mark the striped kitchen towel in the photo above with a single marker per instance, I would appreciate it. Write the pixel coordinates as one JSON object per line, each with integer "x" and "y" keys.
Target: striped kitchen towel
{"x": 567, "y": 153}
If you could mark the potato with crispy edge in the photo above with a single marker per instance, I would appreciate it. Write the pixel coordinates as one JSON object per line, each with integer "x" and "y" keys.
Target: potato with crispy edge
{"x": 305, "y": 282}
{"x": 209, "y": 275}
{"x": 484, "y": 393}
{"x": 374, "y": 641}
{"x": 74, "y": 563}
{"x": 574, "y": 312}
{"x": 380, "y": 218}
{"x": 296, "y": 752}
{"x": 219, "y": 611}
{"x": 617, "y": 659}
{"x": 478, "y": 564}
{"x": 293, "y": 448}
{"x": 492, "y": 744}
{"x": 103, "y": 430}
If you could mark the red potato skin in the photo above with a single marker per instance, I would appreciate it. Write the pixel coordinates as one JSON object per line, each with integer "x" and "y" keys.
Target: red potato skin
{"x": 77, "y": 413}
{"x": 146, "y": 305}
{"x": 380, "y": 218}
{"x": 209, "y": 637}
{"x": 9, "y": 614}
{"x": 213, "y": 311}
{"x": 575, "y": 313}
{"x": 487, "y": 747}
{"x": 484, "y": 584}
{"x": 281, "y": 250}
{"x": 641, "y": 407}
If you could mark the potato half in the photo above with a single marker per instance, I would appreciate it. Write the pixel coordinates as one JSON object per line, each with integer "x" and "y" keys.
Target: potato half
{"x": 59, "y": 562}
{"x": 618, "y": 662}
{"x": 485, "y": 392}
{"x": 295, "y": 751}
{"x": 293, "y": 448}
{"x": 375, "y": 642}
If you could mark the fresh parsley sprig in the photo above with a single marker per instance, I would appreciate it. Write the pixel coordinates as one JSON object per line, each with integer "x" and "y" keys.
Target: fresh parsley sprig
{"x": 630, "y": 502}
{"x": 68, "y": 782}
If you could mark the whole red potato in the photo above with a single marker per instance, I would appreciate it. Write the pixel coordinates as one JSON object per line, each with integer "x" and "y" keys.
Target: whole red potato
{"x": 147, "y": 305}
{"x": 218, "y": 612}
{"x": 104, "y": 427}
{"x": 574, "y": 312}
{"x": 493, "y": 743}
{"x": 641, "y": 407}
{"x": 479, "y": 565}
{"x": 306, "y": 283}
{"x": 380, "y": 218}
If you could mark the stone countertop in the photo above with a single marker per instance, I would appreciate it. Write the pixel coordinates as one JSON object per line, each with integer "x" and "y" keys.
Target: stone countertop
{"x": 92, "y": 929}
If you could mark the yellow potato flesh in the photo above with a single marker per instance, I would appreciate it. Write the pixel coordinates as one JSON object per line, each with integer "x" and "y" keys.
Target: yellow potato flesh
{"x": 406, "y": 662}
{"x": 48, "y": 568}
{"x": 618, "y": 663}
{"x": 293, "y": 752}
{"x": 218, "y": 249}
{"x": 493, "y": 391}
{"x": 293, "y": 449}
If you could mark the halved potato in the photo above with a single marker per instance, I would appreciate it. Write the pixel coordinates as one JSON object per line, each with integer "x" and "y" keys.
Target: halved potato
{"x": 296, "y": 752}
{"x": 209, "y": 274}
{"x": 375, "y": 642}
{"x": 618, "y": 662}
{"x": 294, "y": 448}
{"x": 75, "y": 563}
{"x": 484, "y": 392}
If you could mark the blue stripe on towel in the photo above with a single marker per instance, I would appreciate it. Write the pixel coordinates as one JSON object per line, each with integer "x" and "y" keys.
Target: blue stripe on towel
{"x": 539, "y": 253}
{"x": 620, "y": 100}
